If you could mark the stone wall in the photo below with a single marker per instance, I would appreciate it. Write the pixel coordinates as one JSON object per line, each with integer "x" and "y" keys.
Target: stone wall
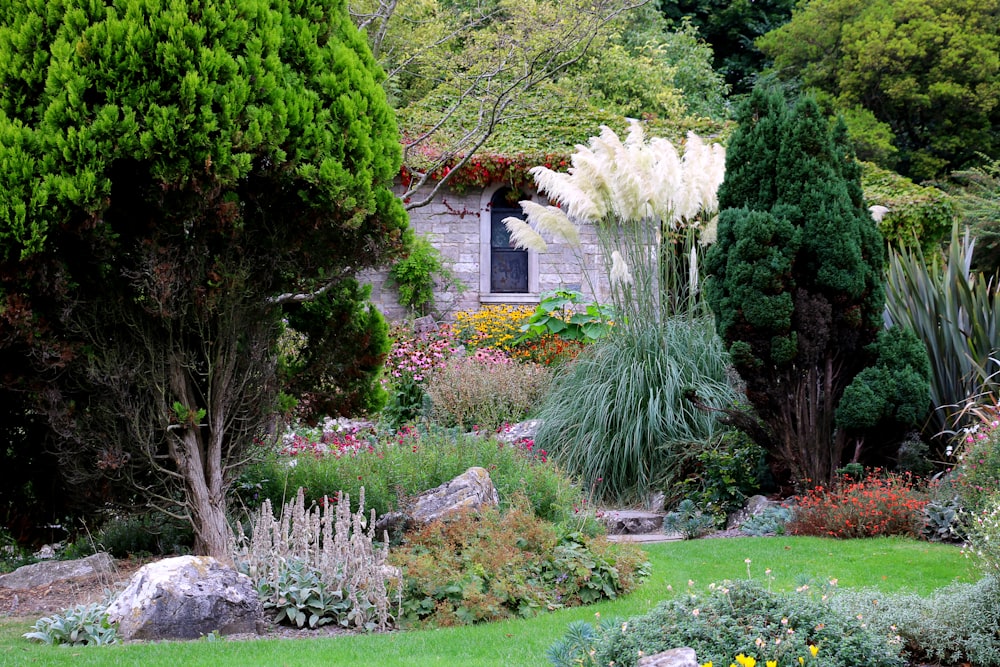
{"x": 455, "y": 224}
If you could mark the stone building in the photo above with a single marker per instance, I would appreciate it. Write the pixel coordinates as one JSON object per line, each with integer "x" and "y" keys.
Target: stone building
{"x": 466, "y": 227}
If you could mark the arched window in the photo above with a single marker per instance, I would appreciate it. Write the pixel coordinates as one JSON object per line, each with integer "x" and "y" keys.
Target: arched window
{"x": 508, "y": 265}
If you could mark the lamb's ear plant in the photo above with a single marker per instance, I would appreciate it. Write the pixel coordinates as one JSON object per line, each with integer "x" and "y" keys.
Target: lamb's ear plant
{"x": 82, "y": 625}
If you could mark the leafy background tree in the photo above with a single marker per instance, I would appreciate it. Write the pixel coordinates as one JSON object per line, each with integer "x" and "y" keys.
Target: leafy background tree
{"x": 174, "y": 176}
{"x": 796, "y": 276}
{"x": 923, "y": 75}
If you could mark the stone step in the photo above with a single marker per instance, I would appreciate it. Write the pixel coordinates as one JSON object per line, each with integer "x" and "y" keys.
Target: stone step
{"x": 633, "y": 522}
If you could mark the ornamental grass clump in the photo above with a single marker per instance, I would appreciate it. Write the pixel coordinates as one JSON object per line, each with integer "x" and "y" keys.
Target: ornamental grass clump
{"x": 878, "y": 505}
{"x": 317, "y": 566}
{"x": 485, "y": 390}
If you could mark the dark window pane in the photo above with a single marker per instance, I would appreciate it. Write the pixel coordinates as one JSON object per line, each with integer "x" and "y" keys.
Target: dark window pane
{"x": 509, "y": 271}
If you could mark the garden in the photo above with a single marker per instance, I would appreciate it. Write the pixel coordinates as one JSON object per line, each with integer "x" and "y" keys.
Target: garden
{"x": 192, "y": 364}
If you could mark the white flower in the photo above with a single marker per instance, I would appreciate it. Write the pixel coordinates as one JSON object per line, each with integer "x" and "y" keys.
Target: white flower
{"x": 620, "y": 273}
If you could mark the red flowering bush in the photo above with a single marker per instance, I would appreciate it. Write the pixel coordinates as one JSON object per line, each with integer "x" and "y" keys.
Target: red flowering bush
{"x": 548, "y": 350}
{"x": 880, "y": 504}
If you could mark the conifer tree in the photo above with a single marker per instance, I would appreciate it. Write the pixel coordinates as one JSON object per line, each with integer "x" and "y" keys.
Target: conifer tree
{"x": 796, "y": 282}
{"x": 172, "y": 174}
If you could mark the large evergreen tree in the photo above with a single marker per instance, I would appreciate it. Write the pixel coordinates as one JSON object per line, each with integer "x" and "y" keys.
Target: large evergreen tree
{"x": 173, "y": 173}
{"x": 796, "y": 280}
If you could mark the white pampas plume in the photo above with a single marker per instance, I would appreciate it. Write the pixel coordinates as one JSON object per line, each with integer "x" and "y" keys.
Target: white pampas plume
{"x": 551, "y": 220}
{"x": 620, "y": 274}
{"x": 523, "y": 236}
{"x": 710, "y": 232}
{"x": 878, "y": 212}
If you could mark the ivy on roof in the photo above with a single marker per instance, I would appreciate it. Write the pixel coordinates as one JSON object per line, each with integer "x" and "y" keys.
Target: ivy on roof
{"x": 545, "y": 131}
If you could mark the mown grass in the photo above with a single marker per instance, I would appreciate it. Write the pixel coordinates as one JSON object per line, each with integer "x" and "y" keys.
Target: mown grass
{"x": 889, "y": 564}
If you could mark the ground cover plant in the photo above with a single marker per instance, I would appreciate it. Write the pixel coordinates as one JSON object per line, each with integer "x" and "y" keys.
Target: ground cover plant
{"x": 393, "y": 468}
{"x": 890, "y": 564}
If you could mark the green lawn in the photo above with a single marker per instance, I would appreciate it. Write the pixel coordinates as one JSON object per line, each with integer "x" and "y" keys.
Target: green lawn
{"x": 888, "y": 564}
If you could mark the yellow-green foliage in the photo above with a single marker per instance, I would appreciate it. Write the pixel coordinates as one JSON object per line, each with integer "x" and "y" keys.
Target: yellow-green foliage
{"x": 493, "y": 326}
{"x": 917, "y": 214}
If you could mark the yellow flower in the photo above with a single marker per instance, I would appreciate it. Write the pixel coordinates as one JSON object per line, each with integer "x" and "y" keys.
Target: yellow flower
{"x": 814, "y": 650}
{"x": 771, "y": 663}
{"x": 708, "y": 664}
{"x": 745, "y": 660}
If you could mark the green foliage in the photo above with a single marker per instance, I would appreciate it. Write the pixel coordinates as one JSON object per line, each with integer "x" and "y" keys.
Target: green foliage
{"x": 560, "y": 313}
{"x": 956, "y": 314}
{"x": 337, "y": 369}
{"x": 416, "y": 275}
{"x": 942, "y": 521}
{"x": 727, "y": 474}
{"x": 179, "y": 172}
{"x": 954, "y": 625}
{"x": 795, "y": 276}
{"x": 394, "y": 468}
{"x": 772, "y": 521}
{"x": 928, "y": 71}
{"x": 688, "y": 520}
{"x": 918, "y": 215}
{"x": 976, "y": 477}
{"x": 574, "y": 648}
{"x": 731, "y": 29}
{"x": 492, "y": 566}
{"x": 83, "y": 625}
{"x": 141, "y": 534}
{"x": 977, "y": 193}
{"x": 744, "y": 617}
{"x": 300, "y": 597}
{"x": 618, "y": 416}
{"x": 893, "y": 394}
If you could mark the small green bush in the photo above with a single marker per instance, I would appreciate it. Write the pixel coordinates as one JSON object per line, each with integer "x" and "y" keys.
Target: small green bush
{"x": 726, "y": 475}
{"x": 150, "y": 533}
{"x": 395, "y": 467}
{"x": 83, "y": 625}
{"x": 416, "y": 274}
{"x": 688, "y": 520}
{"x": 485, "y": 390}
{"x": 744, "y": 617}
{"x": 491, "y": 565}
{"x": 977, "y": 476}
{"x": 772, "y": 521}
{"x": 956, "y": 625}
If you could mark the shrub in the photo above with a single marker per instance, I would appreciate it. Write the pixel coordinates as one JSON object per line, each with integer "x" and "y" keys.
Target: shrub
{"x": 977, "y": 476}
{"x": 772, "y": 521}
{"x": 140, "y": 534}
{"x": 493, "y": 565}
{"x": 942, "y": 521}
{"x": 688, "y": 520}
{"x": 983, "y": 535}
{"x": 486, "y": 390}
{"x": 620, "y": 411}
{"x": 725, "y": 476}
{"x": 742, "y": 617}
{"x": 318, "y": 566}
{"x": 83, "y": 625}
{"x": 955, "y": 625}
{"x": 493, "y": 326}
{"x": 880, "y": 504}
{"x": 395, "y": 467}
{"x": 414, "y": 276}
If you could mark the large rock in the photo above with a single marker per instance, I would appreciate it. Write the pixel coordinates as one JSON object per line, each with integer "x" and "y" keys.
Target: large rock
{"x": 632, "y": 522}
{"x": 755, "y": 505}
{"x": 185, "y": 598}
{"x": 473, "y": 490}
{"x": 48, "y": 572}
{"x": 675, "y": 657}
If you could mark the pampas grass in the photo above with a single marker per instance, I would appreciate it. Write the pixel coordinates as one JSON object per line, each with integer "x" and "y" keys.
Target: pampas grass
{"x": 619, "y": 419}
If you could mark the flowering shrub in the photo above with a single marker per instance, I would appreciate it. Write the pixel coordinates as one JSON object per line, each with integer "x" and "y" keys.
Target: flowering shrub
{"x": 493, "y": 326}
{"x": 977, "y": 475}
{"x": 880, "y": 504}
{"x": 983, "y": 535}
{"x": 547, "y": 350}
{"x": 485, "y": 390}
{"x": 326, "y": 439}
{"x": 410, "y": 362}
